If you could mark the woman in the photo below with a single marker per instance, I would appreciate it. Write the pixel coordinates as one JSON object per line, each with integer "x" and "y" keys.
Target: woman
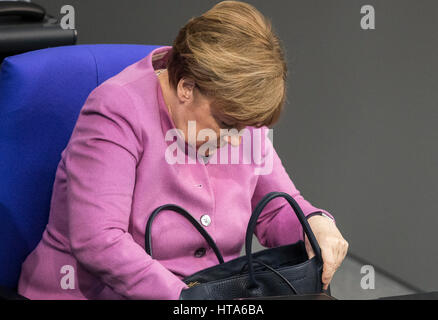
{"x": 226, "y": 69}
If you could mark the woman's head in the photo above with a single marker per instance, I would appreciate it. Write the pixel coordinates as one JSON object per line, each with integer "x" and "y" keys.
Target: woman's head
{"x": 235, "y": 61}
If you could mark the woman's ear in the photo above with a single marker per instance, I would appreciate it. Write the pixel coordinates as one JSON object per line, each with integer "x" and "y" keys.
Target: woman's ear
{"x": 185, "y": 89}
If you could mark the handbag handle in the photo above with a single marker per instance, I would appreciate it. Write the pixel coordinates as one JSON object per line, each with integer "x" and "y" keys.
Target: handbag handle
{"x": 188, "y": 216}
{"x": 253, "y": 221}
{"x": 278, "y": 274}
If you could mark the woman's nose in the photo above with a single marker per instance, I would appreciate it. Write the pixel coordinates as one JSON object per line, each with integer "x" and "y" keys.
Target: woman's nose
{"x": 235, "y": 140}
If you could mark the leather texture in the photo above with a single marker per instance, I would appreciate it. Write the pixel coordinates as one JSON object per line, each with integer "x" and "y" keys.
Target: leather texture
{"x": 26, "y": 10}
{"x": 284, "y": 270}
{"x": 25, "y": 26}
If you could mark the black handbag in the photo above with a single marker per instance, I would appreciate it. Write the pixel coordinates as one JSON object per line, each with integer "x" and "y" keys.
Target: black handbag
{"x": 284, "y": 270}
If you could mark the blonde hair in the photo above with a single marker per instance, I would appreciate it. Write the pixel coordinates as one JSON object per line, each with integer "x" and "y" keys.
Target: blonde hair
{"x": 234, "y": 56}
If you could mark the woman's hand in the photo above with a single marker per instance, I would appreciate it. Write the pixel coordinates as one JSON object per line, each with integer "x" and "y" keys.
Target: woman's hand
{"x": 333, "y": 246}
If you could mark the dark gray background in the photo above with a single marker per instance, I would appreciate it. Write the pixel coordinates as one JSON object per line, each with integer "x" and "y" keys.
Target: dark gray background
{"x": 359, "y": 135}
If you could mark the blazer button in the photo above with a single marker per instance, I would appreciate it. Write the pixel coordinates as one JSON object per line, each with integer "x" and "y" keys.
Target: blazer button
{"x": 206, "y": 220}
{"x": 199, "y": 253}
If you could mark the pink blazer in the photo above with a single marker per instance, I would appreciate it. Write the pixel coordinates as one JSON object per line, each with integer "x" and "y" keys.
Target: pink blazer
{"x": 113, "y": 174}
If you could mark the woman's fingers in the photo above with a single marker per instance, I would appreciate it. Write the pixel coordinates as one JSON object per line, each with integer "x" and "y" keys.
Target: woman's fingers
{"x": 333, "y": 246}
{"x": 332, "y": 254}
{"x": 329, "y": 256}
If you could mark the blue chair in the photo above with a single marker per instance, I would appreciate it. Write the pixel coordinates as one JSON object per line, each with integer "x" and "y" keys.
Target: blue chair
{"x": 41, "y": 95}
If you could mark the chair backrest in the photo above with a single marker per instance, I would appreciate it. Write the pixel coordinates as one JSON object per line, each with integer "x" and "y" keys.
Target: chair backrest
{"x": 41, "y": 95}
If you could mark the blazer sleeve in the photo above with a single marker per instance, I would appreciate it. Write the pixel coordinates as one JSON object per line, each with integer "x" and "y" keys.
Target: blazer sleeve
{"x": 277, "y": 224}
{"x": 101, "y": 160}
